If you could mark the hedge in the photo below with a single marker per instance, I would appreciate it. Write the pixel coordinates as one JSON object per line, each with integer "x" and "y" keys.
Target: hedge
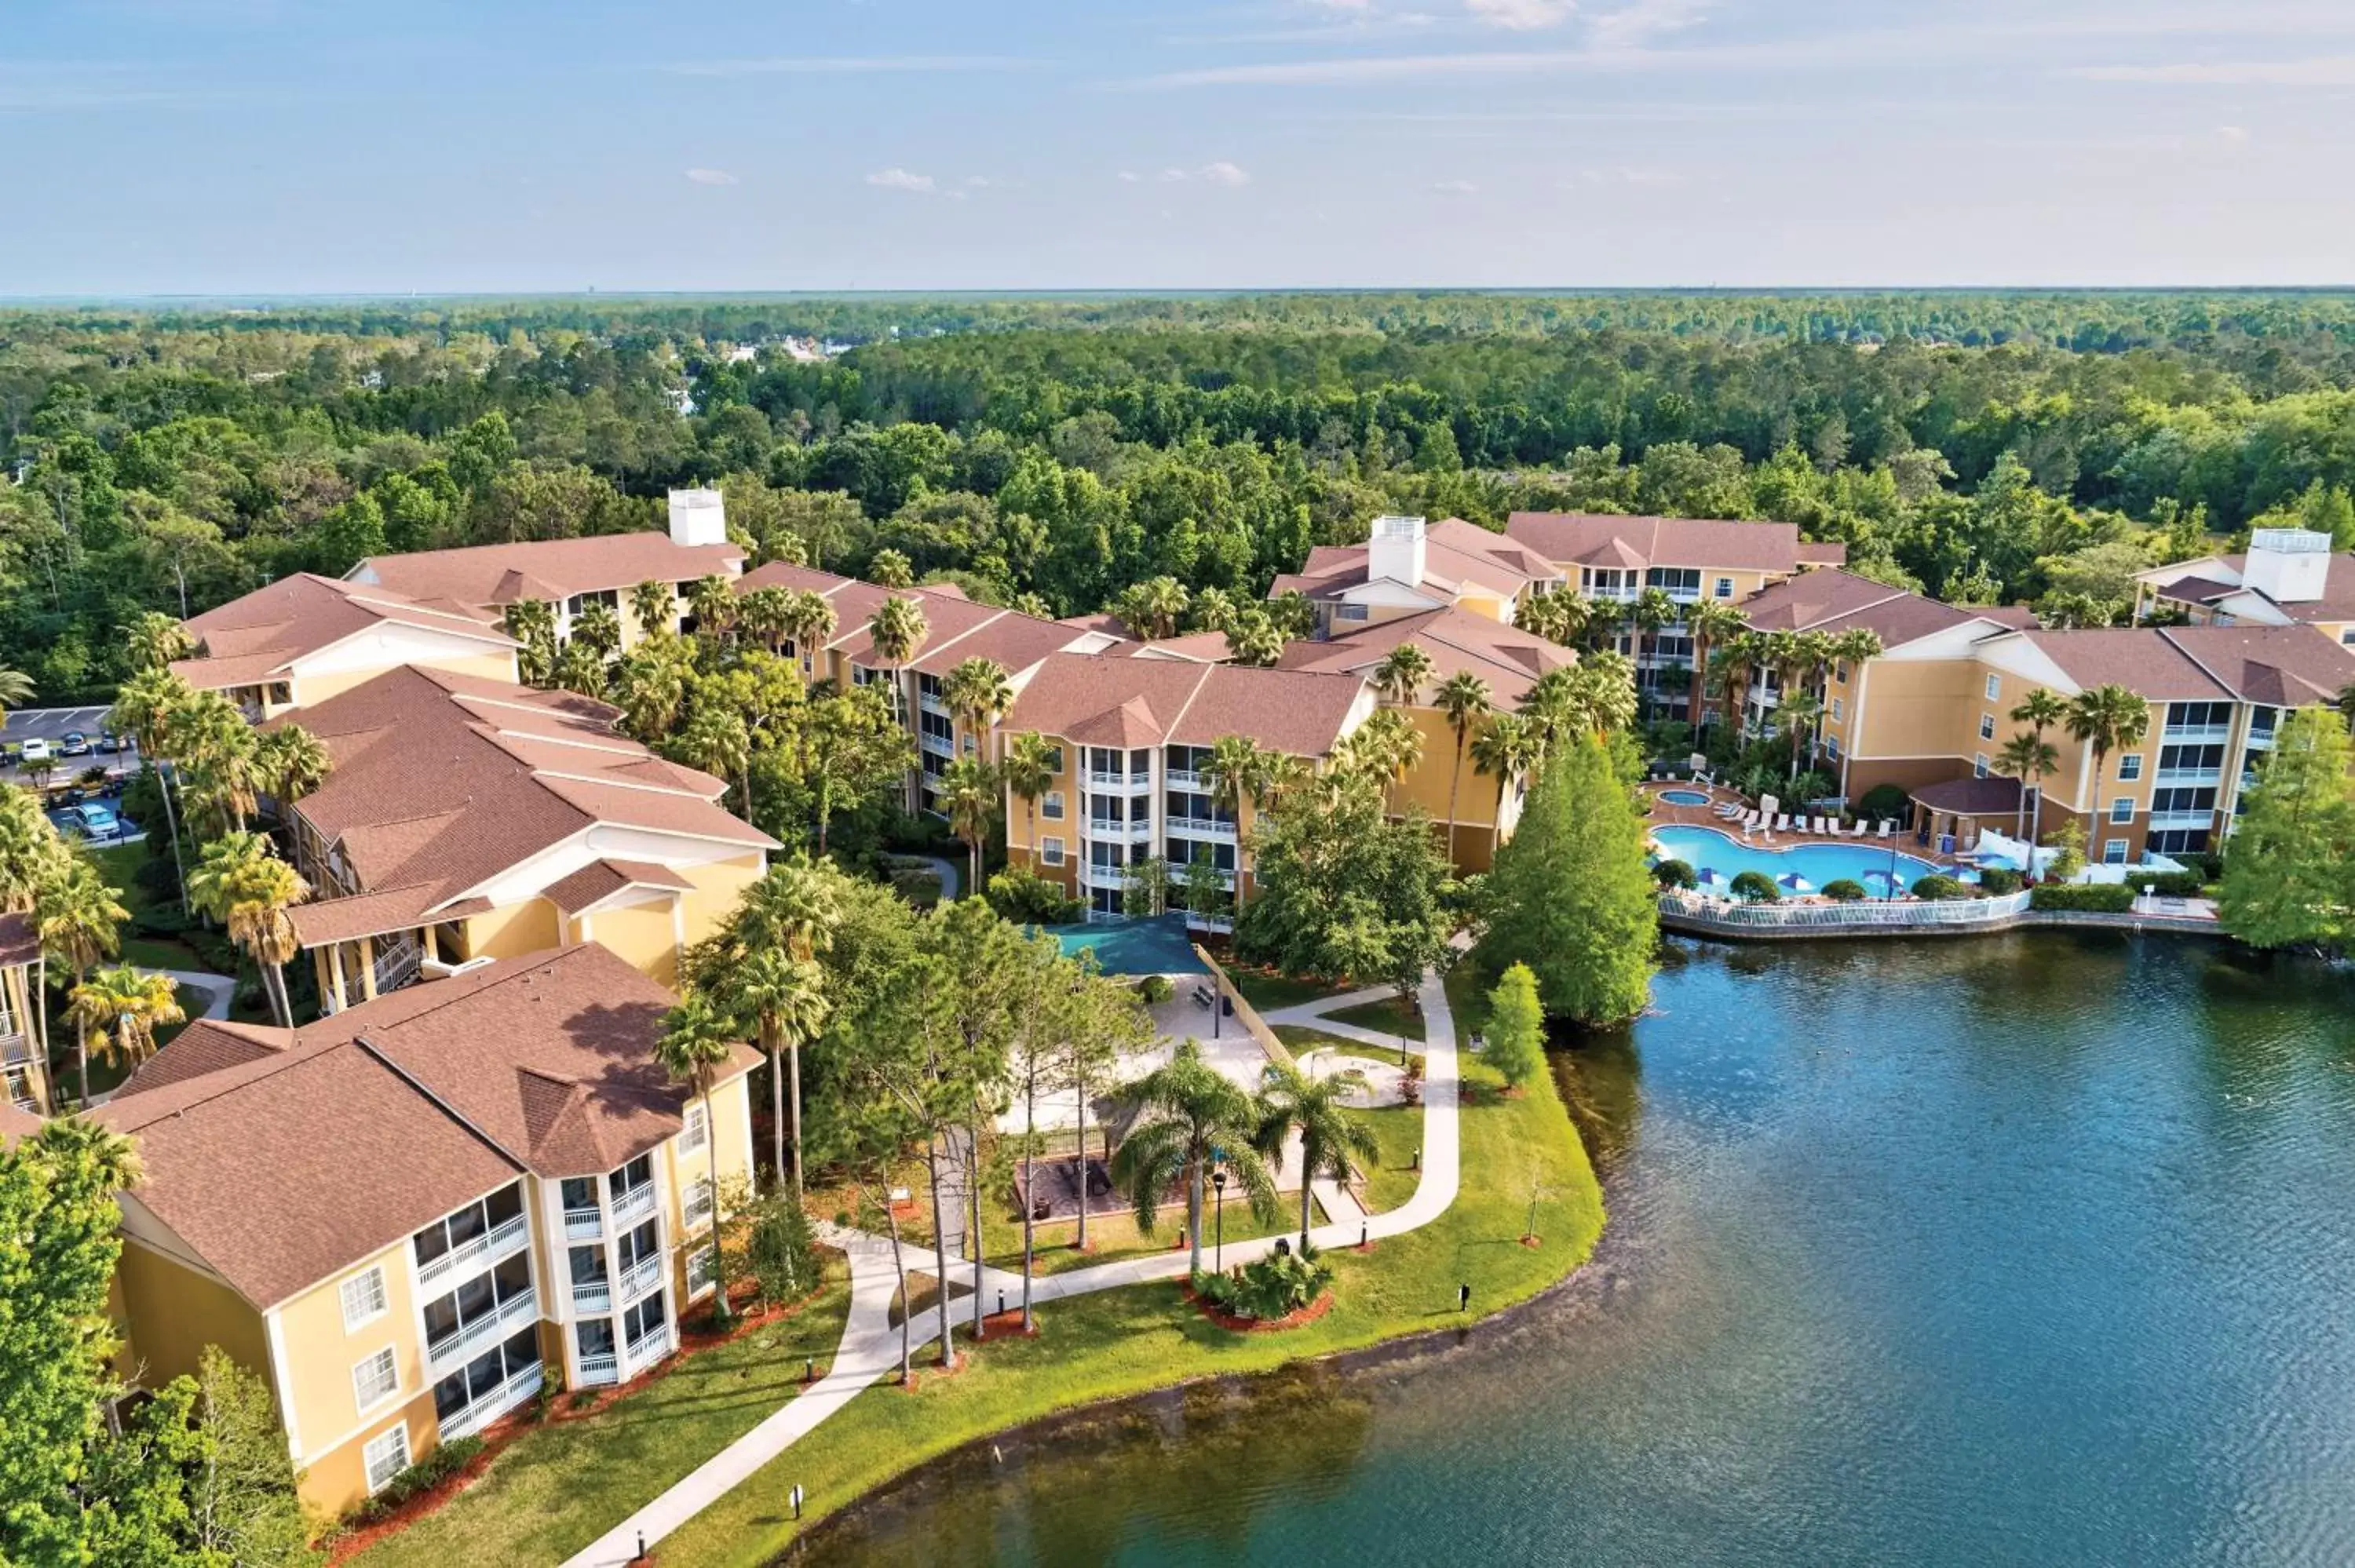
{"x": 2101, "y": 897}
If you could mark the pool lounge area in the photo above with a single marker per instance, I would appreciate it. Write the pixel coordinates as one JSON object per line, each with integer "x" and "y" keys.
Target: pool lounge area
{"x": 1870, "y": 862}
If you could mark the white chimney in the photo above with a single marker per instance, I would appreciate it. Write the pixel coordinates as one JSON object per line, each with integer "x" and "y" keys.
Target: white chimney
{"x": 1395, "y": 550}
{"x": 2288, "y": 565}
{"x": 698, "y": 517}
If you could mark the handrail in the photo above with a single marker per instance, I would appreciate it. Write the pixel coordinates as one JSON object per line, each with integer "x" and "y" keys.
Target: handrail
{"x": 1919, "y": 913}
{"x": 489, "y": 1247}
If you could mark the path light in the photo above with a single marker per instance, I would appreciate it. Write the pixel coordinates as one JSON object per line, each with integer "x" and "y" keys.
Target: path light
{"x": 1218, "y": 1190}
{"x": 1463, "y": 1298}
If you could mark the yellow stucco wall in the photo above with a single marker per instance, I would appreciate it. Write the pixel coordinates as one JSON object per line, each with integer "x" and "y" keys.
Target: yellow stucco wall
{"x": 643, "y": 934}
{"x": 169, "y": 1313}
{"x": 310, "y": 689}
{"x": 717, "y": 888}
{"x": 529, "y": 927}
{"x": 732, "y": 1142}
{"x": 320, "y": 1354}
{"x": 1427, "y": 785}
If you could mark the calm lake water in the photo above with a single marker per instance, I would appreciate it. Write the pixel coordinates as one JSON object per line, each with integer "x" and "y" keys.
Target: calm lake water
{"x": 2034, "y": 1249}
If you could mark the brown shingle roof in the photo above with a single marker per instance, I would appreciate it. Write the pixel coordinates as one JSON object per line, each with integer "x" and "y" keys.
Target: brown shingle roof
{"x": 1101, "y": 700}
{"x": 252, "y": 639}
{"x": 2279, "y": 666}
{"x": 283, "y": 1170}
{"x": 493, "y": 576}
{"x": 2338, "y": 601}
{"x": 205, "y": 1045}
{"x": 1589, "y": 539}
{"x": 2139, "y": 658}
{"x": 1835, "y": 601}
{"x": 601, "y": 879}
{"x": 1454, "y": 553}
{"x": 1508, "y": 658}
{"x": 1993, "y": 796}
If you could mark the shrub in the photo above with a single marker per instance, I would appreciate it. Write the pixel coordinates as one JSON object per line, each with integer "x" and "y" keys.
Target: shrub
{"x": 2103, "y": 897}
{"x": 1881, "y": 800}
{"x": 1273, "y": 1286}
{"x": 1156, "y": 988}
{"x": 1844, "y": 890}
{"x": 920, "y": 889}
{"x": 1023, "y": 897}
{"x": 1937, "y": 884}
{"x": 1756, "y": 886}
{"x": 1998, "y": 879}
{"x": 422, "y": 1477}
{"x": 2170, "y": 884}
{"x": 1675, "y": 873}
{"x": 2071, "y": 844}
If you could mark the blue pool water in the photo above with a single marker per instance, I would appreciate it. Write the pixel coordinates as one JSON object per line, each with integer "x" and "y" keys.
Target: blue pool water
{"x": 1683, "y": 797}
{"x": 1868, "y": 862}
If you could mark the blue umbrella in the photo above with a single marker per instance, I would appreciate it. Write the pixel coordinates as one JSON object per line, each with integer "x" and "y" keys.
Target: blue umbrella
{"x": 1792, "y": 882}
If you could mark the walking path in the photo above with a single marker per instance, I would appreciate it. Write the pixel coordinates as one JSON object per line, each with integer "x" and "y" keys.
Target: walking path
{"x": 869, "y": 1350}
{"x": 220, "y": 990}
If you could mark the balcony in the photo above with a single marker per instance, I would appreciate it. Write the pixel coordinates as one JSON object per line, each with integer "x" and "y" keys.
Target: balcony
{"x": 583, "y": 1224}
{"x": 653, "y": 1344}
{"x": 592, "y": 1294}
{"x": 1121, "y": 831}
{"x": 1186, "y": 778}
{"x": 1202, "y": 827}
{"x": 635, "y": 1203}
{"x": 494, "y": 1404}
{"x": 606, "y": 1368}
{"x": 1113, "y": 876}
{"x": 1127, "y": 783}
{"x": 2260, "y": 740}
{"x": 489, "y": 1329}
{"x": 480, "y": 1253}
{"x": 2190, "y": 775}
{"x": 641, "y": 1276}
{"x": 2197, "y": 732}
{"x": 2161, "y": 821}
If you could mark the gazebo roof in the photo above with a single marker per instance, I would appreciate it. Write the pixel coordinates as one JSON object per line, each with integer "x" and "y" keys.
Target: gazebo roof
{"x": 1994, "y": 796}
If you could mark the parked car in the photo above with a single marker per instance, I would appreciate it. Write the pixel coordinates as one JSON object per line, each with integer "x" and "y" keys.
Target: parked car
{"x": 108, "y": 742}
{"x": 35, "y": 751}
{"x": 90, "y": 821}
{"x": 76, "y": 743}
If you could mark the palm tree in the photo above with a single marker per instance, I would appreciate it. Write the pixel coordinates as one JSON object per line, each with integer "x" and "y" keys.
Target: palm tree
{"x": 1550, "y": 705}
{"x": 1742, "y": 657}
{"x": 1255, "y": 640}
{"x": 1797, "y": 715}
{"x": 1560, "y": 617}
{"x": 1213, "y": 609}
{"x": 1329, "y": 1136}
{"x": 786, "y": 997}
{"x": 1238, "y": 770}
{"x": 1605, "y": 617}
{"x": 289, "y": 763}
{"x": 1712, "y": 623}
{"x": 2041, "y": 710}
{"x": 217, "y": 747}
{"x": 651, "y": 690}
{"x": 126, "y": 1007}
{"x": 78, "y": 923}
{"x": 2026, "y": 756}
{"x": 15, "y": 689}
{"x": 32, "y": 855}
{"x": 654, "y": 605}
{"x": 977, "y": 691}
{"x": 892, "y": 570}
{"x": 156, "y": 640}
{"x": 532, "y": 623}
{"x": 897, "y": 629}
{"x": 1505, "y": 749}
{"x": 240, "y": 884}
{"x": 795, "y": 909}
{"x": 1188, "y": 1113}
{"x": 697, "y": 1041}
{"x": 598, "y": 628}
{"x": 1388, "y": 746}
{"x": 149, "y": 708}
{"x": 2104, "y": 719}
{"x": 717, "y": 741}
{"x": 1464, "y": 698}
{"x": 714, "y": 606}
{"x": 811, "y": 623}
{"x": 1604, "y": 686}
{"x": 1648, "y": 614}
{"x": 968, "y": 791}
{"x": 1030, "y": 769}
{"x": 763, "y": 613}
{"x": 1163, "y": 601}
{"x": 1401, "y": 672}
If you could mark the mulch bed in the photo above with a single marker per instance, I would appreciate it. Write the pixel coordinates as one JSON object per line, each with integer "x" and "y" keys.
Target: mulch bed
{"x": 1224, "y": 1319}
{"x": 1006, "y": 1325}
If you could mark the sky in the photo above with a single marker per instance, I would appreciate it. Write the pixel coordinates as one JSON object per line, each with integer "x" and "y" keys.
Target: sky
{"x": 274, "y": 147}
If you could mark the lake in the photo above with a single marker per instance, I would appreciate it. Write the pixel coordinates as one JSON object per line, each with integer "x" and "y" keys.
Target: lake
{"x": 2028, "y": 1249}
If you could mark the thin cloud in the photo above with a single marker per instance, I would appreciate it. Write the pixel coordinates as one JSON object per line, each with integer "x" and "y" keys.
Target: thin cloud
{"x": 2329, "y": 70}
{"x": 851, "y": 65}
{"x": 899, "y": 179}
{"x": 1522, "y": 15}
{"x": 711, "y": 177}
{"x": 1455, "y": 187}
{"x": 1221, "y": 173}
{"x": 1635, "y": 25}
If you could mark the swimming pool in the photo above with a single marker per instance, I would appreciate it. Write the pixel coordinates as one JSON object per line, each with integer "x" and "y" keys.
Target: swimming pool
{"x": 1683, "y": 797}
{"x": 1705, "y": 849}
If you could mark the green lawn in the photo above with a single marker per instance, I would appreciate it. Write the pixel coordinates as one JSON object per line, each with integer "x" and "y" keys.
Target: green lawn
{"x": 1116, "y": 1236}
{"x": 1391, "y": 1180}
{"x": 561, "y": 1485}
{"x": 1265, "y": 990}
{"x": 1304, "y": 1039}
{"x": 1387, "y": 1015}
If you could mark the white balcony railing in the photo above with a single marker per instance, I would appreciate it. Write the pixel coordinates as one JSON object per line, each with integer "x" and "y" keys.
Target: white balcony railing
{"x": 583, "y": 1224}
{"x": 1731, "y": 915}
{"x": 522, "y": 1387}
{"x": 1202, "y": 827}
{"x": 1185, "y": 778}
{"x": 592, "y": 1294}
{"x": 2260, "y": 740}
{"x": 484, "y": 1330}
{"x": 397, "y": 967}
{"x": 654, "y": 1344}
{"x": 482, "y": 1251}
{"x": 2162, "y": 821}
{"x": 1129, "y": 783}
{"x": 2196, "y": 732}
{"x": 938, "y": 744}
{"x": 2190, "y": 775}
{"x": 635, "y": 1205}
{"x": 606, "y": 1368}
{"x": 641, "y": 1277}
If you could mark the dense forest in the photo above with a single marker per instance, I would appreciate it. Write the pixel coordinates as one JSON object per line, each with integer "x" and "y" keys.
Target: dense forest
{"x": 1985, "y": 446}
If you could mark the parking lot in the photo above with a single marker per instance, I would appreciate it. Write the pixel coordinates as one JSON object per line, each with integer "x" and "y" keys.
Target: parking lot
{"x": 53, "y": 725}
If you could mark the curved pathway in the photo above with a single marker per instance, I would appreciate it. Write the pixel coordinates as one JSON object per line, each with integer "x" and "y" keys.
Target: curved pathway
{"x": 869, "y": 1350}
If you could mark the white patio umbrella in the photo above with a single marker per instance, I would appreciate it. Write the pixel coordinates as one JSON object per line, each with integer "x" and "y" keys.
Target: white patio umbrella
{"x": 1792, "y": 882}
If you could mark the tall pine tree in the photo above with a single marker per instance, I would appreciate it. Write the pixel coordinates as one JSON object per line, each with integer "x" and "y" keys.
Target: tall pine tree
{"x": 2286, "y": 879}
{"x": 1569, "y": 895}
{"x": 1515, "y": 1027}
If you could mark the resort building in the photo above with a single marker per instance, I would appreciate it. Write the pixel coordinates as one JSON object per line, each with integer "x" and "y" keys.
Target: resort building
{"x": 2288, "y": 577}
{"x": 306, "y": 638}
{"x": 24, "y": 1046}
{"x": 1132, "y": 737}
{"x": 1406, "y": 567}
{"x": 1689, "y": 559}
{"x": 405, "y": 1218}
{"x": 572, "y": 574}
{"x": 1444, "y": 783}
{"x": 466, "y": 821}
{"x": 1932, "y": 718}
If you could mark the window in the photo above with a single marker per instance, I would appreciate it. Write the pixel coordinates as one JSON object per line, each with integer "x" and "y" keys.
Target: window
{"x": 2114, "y": 852}
{"x": 2176, "y": 802}
{"x": 1050, "y": 852}
{"x": 648, "y": 1316}
{"x": 386, "y": 1455}
{"x": 697, "y": 1130}
{"x": 375, "y": 1379}
{"x": 1831, "y": 747}
{"x": 698, "y": 1271}
{"x": 698, "y": 1201}
{"x": 1835, "y": 710}
{"x": 1839, "y": 674}
{"x": 363, "y": 1296}
{"x": 2199, "y": 716}
{"x": 1993, "y": 688}
{"x": 483, "y": 1377}
{"x": 1986, "y": 726}
{"x": 1050, "y": 805}
{"x": 2347, "y": 638}
{"x": 631, "y": 1177}
{"x": 2129, "y": 766}
{"x": 469, "y": 1223}
{"x": 637, "y": 1246}
{"x": 1979, "y": 765}
{"x": 1725, "y": 587}
{"x": 2122, "y": 809}
{"x": 451, "y": 1317}
{"x": 1350, "y": 612}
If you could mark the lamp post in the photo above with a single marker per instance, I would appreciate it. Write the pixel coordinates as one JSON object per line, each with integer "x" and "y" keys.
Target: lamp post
{"x": 1218, "y": 1206}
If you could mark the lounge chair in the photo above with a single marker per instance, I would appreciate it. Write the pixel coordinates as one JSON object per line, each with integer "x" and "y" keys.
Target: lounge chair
{"x": 1781, "y": 821}
{"x": 1888, "y": 827}
{"x": 1750, "y": 820}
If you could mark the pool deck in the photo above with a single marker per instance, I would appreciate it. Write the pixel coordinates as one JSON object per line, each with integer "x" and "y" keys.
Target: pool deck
{"x": 1666, "y": 813}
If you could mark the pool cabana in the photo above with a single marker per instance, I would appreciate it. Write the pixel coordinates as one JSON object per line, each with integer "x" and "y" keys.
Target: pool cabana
{"x": 1951, "y": 814}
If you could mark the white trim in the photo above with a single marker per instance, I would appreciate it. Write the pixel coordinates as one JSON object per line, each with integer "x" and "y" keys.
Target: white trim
{"x": 399, "y": 1429}
{"x": 360, "y": 1401}
{"x": 383, "y": 1296}
{"x": 273, "y": 1331}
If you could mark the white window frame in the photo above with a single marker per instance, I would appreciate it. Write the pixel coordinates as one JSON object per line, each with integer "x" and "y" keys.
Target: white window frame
{"x": 695, "y": 1129}
{"x": 1995, "y": 688}
{"x": 703, "y": 1271}
{"x": 398, "y": 1436}
{"x": 1839, "y": 674}
{"x": 1979, "y": 765}
{"x": 1724, "y": 588}
{"x": 1050, "y": 850}
{"x": 1837, "y": 715}
{"x": 2114, "y": 852}
{"x": 2129, "y": 766}
{"x": 698, "y": 1204}
{"x": 364, "y": 1365}
{"x": 1345, "y": 610}
{"x": 1050, "y": 806}
{"x": 371, "y": 1278}
{"x": 2122, "y": 809}
{"x": 1986, "y": 726}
